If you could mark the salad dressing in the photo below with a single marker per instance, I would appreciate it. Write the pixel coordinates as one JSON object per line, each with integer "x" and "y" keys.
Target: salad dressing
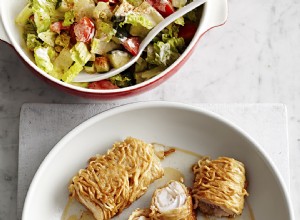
{"x": 189, "y": 152}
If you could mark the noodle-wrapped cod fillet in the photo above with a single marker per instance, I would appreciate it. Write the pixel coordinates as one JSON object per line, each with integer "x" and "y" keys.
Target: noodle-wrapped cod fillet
{"x": 219, "y": 187}
{"x": 111, "y": 182}
{"x": 172, "y": 202}
{"x": 140, "y": 214}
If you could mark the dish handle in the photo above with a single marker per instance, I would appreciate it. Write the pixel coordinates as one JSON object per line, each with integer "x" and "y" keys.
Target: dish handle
{"x": 218, "y": 15}
{"x": 3, "y": 34}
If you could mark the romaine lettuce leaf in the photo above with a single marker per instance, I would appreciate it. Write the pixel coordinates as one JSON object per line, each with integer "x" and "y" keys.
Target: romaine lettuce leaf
{"x": 171, "y": 30}
{"x": 102, "y": 11}
{"x": 73, "y": 71}
{"x": 63, "y": 61}
{"x": 42, "y": 13}
{"x": 80, "y": 53}
{"x": 137, "y": 19}
{"x": 101, "y": 47}
{"x": 42, "y": 20}
{"x": 192, "y": 15}
{"x": 135, "y": 2}
{"x": 43, "y": 58}
{"x": 64, "y": 5}
{"x": 48, "y": 37}
{"x": 32, "y": 41}
{"x": 80, "y": 84}
{"x": 179, "y": 3}
{"x": 69, "y": 18}
{"x": 148, "y": 74}
{"x": 104, "y": 31}
{"x": 122, "y": 80}
{"x": 165, "y": 53}
{"x": 83, "y": 8}
{"x": 177, "y": 44}
{"x": 24, "y": 15}
{"x": 179, "y": 21}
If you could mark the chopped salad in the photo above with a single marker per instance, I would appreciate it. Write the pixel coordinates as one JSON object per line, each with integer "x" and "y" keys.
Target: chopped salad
{"x": 70, "y": 36}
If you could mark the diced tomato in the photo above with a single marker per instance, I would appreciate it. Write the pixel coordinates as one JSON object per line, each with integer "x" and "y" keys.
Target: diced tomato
{"x": 103, "y": 0}
{"x": 187, "y": 31}
{"x": 84, "y": 30}
{"x": 102, "y": 84}
{"x": 57, "y": 27}
{"x": 132, "y": 45}
{"x": 164, "y": 7}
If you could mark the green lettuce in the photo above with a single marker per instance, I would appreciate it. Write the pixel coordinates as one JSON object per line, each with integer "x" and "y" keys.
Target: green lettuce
{"x": 177, "y": 44}
{"x": 42, "y": 21}
{"x": 122, "y": 80}
{"x": 102, "y": 11}
{"x": 24, "y": 15}
{"x": 73, "y": 71}
{"x": 148, "y": 74}
{"x": 69, "y": 18}
{"x": 80, "y": 53}
{"x": 101, "y": 47}
{"x": 32, "y": 41}
{"x": 135, "y": 2}
{"x": 179, "y": 3}
{"x": 104, "y": 31}
{"x": 63, "y": 61}
{"x": 48, "y": 37}
{"x": 64, "y": 5}
{"x": 43, "y": 58}
{"x": 137, "y": 19}
{"x": 171, "y": 30}
{"x": 192, "y": 15}
{"x": 29, "y": 28}
{"x": 80, "y": 84}
{"x": 43, "y": 9}
{"x": 179, "y": 21}
{"x": 165, "y": 53}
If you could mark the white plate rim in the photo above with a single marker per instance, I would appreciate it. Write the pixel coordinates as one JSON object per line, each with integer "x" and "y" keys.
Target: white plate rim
{"x": 152, "y": 104}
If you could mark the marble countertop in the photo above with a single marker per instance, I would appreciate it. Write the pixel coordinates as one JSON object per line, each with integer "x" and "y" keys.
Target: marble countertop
{"x": 253, "y": 58}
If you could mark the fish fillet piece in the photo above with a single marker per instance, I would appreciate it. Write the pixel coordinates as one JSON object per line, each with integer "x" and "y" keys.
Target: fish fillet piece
{"x": 140, "y": 214}
{"x": 219, "y": 187}
{"x": 172, "y": 202}
{"x": 111, "y": 182}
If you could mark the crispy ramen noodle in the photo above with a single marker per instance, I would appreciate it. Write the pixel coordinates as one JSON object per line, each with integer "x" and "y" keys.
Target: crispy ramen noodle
{"x": 111, "y": 182}
{"x": 219, "y": 186}
{"x": 140, "y": 214}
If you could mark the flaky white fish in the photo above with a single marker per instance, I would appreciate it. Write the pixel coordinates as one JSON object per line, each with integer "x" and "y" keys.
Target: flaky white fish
{"x": 172, "y": 202}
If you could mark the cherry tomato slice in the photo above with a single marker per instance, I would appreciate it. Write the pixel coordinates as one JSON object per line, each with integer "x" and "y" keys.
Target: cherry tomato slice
{"x": 187, "y": 31}
{"x": 102, "y": 84}
{"x": 57, "y": 27}
{"x": 164, "y": 7}
{"x": 132, "y": 45}
{"x": 84, "y": 30}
